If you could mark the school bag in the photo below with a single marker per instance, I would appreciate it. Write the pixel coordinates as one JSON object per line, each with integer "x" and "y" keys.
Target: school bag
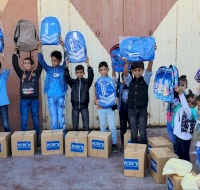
{"x": 106, "y": 91}
{"x": 76, "y": 47}
{"x": 136, "y": 49}
{"x": 1, "y": 41}
{"x": 197, "y": 76}
{"x": 25, "y": 36}
{"x": 166, "y": 79}
{"x": 50, "y": 31}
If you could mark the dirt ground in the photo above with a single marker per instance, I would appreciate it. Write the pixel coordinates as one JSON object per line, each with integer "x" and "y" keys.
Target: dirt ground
{"x": 60, "y": 172}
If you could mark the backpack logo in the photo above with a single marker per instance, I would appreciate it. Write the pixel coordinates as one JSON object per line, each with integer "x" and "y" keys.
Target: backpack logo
{"x": 131, "y": 164}
{"x": 106, "y": 91}
{"x": 138, "y": 48}
{"x": 98, "y": 144}
{"x": 153, "y": 165}
{"x": 53, "y": 145}
{"x": 23, "y": 145}
{"x": 1, "y": 41}
{"x": 76, "y": 47}
{"x": 77, "y": 147}
{"x": 166, "y": 79}
{"x": 50, "y": 31}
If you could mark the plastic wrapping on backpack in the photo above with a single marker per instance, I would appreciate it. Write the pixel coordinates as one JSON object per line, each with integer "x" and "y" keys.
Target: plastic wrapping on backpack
{"x": 50, "y": 31}
{"x": 197, "y": 76}
{"x": 106, "y": 91}
{"x": 136, "y": 49}
{"x": 1, "y": 41}
{"x": 76, "y": 47}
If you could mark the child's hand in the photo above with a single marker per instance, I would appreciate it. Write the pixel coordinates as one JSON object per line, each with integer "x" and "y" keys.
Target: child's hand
{"x": 67, "y": 61}
{"x": 96, "y": 102}
{"x": 15, "y": 47}
{"x": 61, "y": 41}
{"x": 179, "y": 90}
{"x": 117, "y": 100}
{"x": 125, "y": 60}
{"x": 39, "y": 44}
{"x": 87, "y": 62}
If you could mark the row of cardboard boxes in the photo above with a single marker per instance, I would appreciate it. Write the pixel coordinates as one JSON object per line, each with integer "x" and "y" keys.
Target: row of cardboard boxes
{"x": 96, "y": 144}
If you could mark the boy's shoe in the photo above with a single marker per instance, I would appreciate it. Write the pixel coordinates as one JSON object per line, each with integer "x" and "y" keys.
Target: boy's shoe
{"x": 122, "y": 148}
{"x": 114, "y": 148}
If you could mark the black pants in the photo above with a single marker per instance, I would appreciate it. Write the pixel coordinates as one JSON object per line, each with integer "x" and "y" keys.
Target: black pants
{"x": 138, "y": 120}
{"x": 123, "y": 115}
{"x": 85, "y": 118}
{"x": 182, "y": 148}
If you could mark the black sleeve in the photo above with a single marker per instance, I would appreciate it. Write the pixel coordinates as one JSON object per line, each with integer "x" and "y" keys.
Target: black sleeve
{"x": 68, "y": 78}
{"x": 90, "y": 76}
{"x": 38, "y": 71}
{"x": 16, "y": 66}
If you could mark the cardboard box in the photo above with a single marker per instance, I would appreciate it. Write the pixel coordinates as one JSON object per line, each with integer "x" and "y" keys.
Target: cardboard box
{"x": 99, "y": 144}
{"x": 173, "y": 182}
{"x": 134, "y": 160}
{"x": 52, "y": 142}
{"x": 76, "y": 143}
{"x": 127, "y": 138}
{"x": 23, "y": 143}
{"x": 158, "y": 159}
{"x": 5, "y": 140}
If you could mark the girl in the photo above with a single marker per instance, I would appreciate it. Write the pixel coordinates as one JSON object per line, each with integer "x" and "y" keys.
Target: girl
{"x": 170, "y": 109}
{"x": 186, "y": 108}
{"x": 4, "y": 101}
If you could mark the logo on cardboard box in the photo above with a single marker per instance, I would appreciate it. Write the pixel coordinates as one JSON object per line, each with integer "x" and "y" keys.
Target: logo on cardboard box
{"x": 77, "y": 147}
{"x": 53, "y": 145}
{"x": 131, "y": 164}
{"x": 148, "y": 147}
{"x": 98, "y": 144}
{"x": 169, "y": 184}
{"x": 129, "y": 141}
{"x": 0, "y": 147}
{"x": 24, "y": 145}
{"x": 153, "y": 165}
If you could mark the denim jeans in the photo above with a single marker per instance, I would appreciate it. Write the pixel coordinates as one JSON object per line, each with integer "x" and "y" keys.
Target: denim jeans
{"x": 4, "y": 117}
{"x": 108, "y": 114}
{"x": 123, "y": 115}
{"x": 138, "y": 120}
{"x": 33, "y": 105}
{"x": 57, "y": 112}
{"x": 171, "y": 134}
{"x": 85, "y": 118}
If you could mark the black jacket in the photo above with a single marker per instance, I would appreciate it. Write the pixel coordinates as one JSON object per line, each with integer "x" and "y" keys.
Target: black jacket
{"x": 80, "y": 89}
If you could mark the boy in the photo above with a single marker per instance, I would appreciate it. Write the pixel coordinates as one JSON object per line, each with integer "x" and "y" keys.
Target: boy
{"x": 122, "y": 106}
{"x": 104, "y": 113}
{"x": 4, "y": 101}
{"x": 55, "y": 86}
{"x": 80, "y": 94}
{"x": 138, "y": 98}
{"x": 29, "y": 91}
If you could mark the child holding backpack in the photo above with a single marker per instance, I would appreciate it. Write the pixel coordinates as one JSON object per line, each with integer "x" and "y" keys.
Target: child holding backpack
{"x": 137, "y": 98}
{"x": 122, "y": 105}
{"x": 80, "y": 94}
{"x": 55, "y": 86}
{"x": 184, "y": 116}
{"x": 4, "y": 101}
{"x": 106, "y": 113}
{"x": 29, "y": 90}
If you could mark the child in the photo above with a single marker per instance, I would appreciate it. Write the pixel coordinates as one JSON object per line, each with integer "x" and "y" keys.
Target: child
{"x": 186, "y": 107}
{"x": 80, "y": 94}
{"x": 55, "y": 86}
{"x": 29, "y": 91}
{"x": 138, "y": 98}
{"x": 106, "y": 113}
{"x": 170, "y": 109}
{"x": 4, "y": 101}
{"x": 122, "y": 106}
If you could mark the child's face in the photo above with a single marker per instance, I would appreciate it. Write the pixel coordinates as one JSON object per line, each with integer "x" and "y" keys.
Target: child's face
{"x": 55, "y": 61}
{"x": 183, "y": 85}
{"x": 137, "y": 72}
{"x": 80, "y": 74}
{"x": 27, "y": 65}
{"x": 191, "y": 102}
{"x": 198, "y": 103}
{"x": 103, "y": 71}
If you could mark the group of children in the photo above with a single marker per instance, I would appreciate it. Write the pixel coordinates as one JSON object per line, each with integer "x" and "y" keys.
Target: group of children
{"x": 132, "y": 99}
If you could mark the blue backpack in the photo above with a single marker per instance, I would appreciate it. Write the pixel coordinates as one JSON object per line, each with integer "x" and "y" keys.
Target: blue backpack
{"x": 166, "y": 79}
{"x": 76, "y": 47}
{"x": 1, "y": 41}
{"x": 106, "y": 91}
{"x": 50, "y": 31}
{"x": 136, "y": 49}
{"x": 117, "y": 63}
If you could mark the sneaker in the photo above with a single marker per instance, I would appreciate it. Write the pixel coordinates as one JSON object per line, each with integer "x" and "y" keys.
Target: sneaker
{"x": 114, "y": 148}
{"x": 122, "y": 148}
